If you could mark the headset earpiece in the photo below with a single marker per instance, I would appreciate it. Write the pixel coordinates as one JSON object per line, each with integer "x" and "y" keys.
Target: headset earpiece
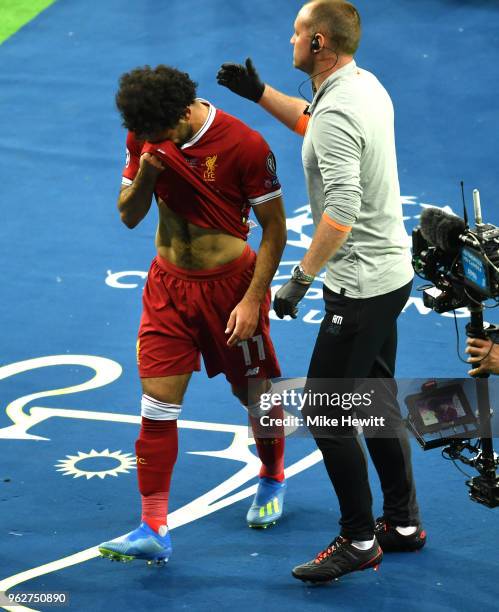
{"x": 315, "y": 45}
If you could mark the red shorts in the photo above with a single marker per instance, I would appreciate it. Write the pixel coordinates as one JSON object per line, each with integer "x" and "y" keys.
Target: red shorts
{"x": 185, "y": 314}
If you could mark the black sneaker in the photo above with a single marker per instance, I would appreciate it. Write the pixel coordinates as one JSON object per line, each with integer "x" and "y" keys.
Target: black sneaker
{"x": 338, "y": 559}
{"x": 391, "y": 540}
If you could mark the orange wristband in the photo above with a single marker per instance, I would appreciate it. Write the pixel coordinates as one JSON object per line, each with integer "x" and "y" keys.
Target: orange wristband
{"x": 301, "y": 124}
{"x": 341, "y": 228}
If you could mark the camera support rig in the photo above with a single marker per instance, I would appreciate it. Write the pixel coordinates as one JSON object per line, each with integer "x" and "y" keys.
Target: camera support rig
{"x": 484, "y": 488}
{"x": 463, "y": 267}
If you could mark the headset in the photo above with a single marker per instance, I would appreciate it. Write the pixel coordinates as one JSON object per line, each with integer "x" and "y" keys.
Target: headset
{"x": 315, "y": 47}
{"x": 315, "y": 44}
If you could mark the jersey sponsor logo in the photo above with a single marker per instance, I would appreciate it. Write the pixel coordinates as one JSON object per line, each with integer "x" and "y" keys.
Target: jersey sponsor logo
{"x": 271, "y": 164}
{"x": 127, "y": 162}
{"x": 210, "y": 164}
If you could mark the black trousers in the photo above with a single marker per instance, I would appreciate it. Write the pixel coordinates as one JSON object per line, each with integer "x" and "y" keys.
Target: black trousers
{"x": 358, "y": 340}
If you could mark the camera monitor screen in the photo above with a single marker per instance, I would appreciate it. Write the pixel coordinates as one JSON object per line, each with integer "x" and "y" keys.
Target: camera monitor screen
{"x": 475, "y": 271}
{"x": 440, "y": 409}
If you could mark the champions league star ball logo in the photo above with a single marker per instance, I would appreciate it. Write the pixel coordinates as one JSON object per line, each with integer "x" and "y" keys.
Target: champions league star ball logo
{"x": 412, "y": 210}
{"x": 300, "y": 225}
{"x": 297, "y": 236}
{"x": 300, "y": 228}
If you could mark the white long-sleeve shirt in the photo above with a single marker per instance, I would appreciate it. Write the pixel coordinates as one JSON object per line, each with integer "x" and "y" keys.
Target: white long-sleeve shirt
{"x": 350, "y": 167}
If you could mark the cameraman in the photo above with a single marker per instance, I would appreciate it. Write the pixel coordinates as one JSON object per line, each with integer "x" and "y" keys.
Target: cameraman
{"x": 484, "y": 353}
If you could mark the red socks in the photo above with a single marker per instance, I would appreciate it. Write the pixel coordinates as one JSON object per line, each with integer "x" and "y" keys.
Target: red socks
{"x": 271, "y": 447}
{"x": 157, "y": 449}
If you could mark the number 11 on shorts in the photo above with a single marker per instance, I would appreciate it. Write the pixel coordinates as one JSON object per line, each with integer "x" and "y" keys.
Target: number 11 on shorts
{"x": 246, "y": 349}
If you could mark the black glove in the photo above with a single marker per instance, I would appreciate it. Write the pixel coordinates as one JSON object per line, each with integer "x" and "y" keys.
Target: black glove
{"x": 242, "y": 80}
{"x": 287, "y": 298}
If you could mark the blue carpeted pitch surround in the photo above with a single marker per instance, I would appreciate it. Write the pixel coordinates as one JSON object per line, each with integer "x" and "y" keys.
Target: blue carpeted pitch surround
{"x": 72, "y": 279}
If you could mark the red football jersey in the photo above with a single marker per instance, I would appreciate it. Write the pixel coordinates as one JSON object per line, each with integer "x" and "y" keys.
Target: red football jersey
{"x": 213, "y": 179}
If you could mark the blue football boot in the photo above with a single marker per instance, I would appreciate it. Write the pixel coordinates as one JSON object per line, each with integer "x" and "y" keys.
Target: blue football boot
{"x": 142, "y": 543}
{"x": 267, "y": 505}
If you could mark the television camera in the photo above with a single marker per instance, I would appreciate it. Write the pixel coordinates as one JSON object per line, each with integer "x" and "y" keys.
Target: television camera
{"x": 462, "y": 267}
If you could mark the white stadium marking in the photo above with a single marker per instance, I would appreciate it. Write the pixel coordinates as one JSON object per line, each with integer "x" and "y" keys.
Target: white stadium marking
{"x": 106, "y": 371}
{"x": 69, "y": 466}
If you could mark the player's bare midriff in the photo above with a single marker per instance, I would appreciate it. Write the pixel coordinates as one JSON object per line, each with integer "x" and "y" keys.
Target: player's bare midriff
{"x": 192, "y": 247}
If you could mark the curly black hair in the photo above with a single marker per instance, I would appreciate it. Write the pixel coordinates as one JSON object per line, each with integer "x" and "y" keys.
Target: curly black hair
{"x": 152, "y": 100}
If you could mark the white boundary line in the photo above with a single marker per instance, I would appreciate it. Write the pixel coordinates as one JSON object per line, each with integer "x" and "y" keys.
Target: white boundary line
{"x": 106, "y": 371}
